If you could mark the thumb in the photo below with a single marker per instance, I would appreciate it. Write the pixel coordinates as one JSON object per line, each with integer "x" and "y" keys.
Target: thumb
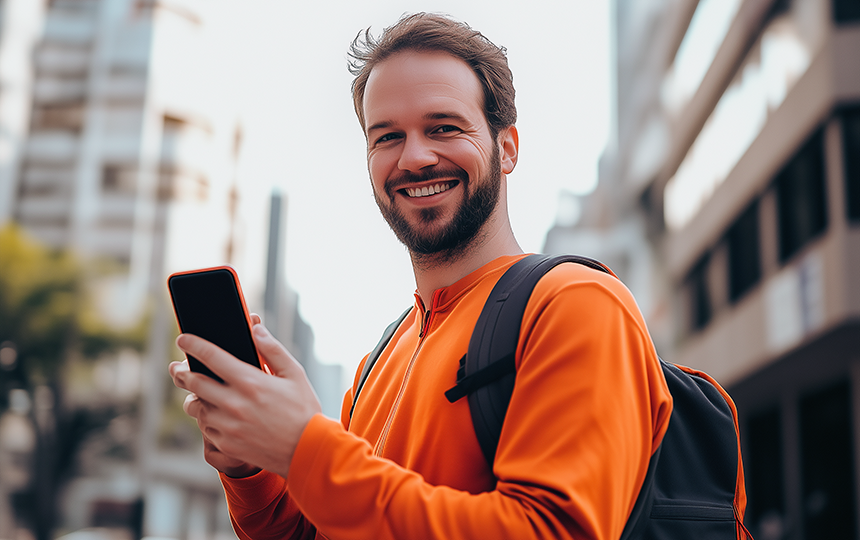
{"x": 279, "y": 360}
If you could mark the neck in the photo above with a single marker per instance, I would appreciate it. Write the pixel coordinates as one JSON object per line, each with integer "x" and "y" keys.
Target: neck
{"x": 441, "y": 270}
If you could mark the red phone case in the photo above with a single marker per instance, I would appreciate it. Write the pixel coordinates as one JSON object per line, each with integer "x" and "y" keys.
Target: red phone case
{"x": 238, "y": 290}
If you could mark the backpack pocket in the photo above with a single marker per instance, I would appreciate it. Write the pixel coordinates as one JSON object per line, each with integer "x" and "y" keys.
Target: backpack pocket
{"x": 671, "y": 519}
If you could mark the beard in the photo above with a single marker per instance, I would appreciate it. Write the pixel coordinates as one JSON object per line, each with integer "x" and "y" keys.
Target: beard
{"x": 432, "y": 237}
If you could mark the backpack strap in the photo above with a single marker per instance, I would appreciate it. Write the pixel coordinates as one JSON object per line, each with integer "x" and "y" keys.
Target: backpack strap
{"x": 374, "y": 356}
{"x": 488, "y": 369}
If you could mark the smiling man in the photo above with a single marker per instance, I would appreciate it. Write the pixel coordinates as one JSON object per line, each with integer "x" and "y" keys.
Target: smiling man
{"x": 434, "y": 161}
{"x": 436, "y": 102}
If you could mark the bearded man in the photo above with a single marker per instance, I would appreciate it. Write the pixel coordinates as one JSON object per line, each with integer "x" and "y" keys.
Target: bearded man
{"x": 590, "y": 406}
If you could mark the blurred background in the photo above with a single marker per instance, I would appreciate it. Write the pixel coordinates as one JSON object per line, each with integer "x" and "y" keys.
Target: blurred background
{"x": 708, "y": 151}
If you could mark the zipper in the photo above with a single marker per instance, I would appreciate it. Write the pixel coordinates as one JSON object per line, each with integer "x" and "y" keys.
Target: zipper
{"x": 740, "y": 524}
{"x": 689, "y": 510}
{"x": 429, "y": 315}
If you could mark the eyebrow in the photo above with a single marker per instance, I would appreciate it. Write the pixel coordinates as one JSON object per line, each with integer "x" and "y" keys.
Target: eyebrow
{"x": 444, "y": 115}
{"x": 380, "y": 125}
{"x": 429, "y": 116}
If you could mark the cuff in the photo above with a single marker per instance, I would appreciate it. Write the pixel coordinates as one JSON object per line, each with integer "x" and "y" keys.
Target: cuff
{"x": 253, "y": 490}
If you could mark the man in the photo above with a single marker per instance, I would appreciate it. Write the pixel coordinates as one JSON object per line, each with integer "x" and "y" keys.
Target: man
{"x": 590, "y": 406}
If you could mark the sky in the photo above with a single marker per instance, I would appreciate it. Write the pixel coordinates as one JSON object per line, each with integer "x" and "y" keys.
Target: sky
{"x": 302, "y": 138}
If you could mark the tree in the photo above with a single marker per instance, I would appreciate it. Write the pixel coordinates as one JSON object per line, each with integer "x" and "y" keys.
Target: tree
{"x": 46, "y": 319}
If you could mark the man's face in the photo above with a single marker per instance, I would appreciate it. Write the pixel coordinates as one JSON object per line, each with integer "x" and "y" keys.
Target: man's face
{"x": 433, "y": 163}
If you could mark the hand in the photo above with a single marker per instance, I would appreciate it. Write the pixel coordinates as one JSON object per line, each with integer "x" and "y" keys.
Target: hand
{"x": 230, "y": 466}
{"x": 252, "y": 420}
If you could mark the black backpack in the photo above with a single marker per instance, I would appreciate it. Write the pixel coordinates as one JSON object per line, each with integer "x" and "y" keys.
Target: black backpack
{"x": 694, "y": 488}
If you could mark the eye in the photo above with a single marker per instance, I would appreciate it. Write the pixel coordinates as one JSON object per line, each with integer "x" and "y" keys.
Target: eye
{"x": 447, "y": 129}
{"x": 388, "y": 137}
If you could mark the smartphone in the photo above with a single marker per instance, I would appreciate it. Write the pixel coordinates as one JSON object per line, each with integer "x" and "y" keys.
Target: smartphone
{"x": 209, "y": 303}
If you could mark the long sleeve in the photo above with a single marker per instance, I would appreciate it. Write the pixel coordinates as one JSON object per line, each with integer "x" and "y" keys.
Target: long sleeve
{"x": 261, "y": 508}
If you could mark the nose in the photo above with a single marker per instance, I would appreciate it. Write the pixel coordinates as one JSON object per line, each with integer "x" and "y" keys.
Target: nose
{"x": 417, "y": 154}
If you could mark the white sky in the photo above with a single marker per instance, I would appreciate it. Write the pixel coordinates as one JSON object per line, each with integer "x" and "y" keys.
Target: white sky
{"x": 352, "y": 275}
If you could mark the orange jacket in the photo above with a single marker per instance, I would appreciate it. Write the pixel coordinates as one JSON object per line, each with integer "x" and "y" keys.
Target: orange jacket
{"x": 589, "y": 408}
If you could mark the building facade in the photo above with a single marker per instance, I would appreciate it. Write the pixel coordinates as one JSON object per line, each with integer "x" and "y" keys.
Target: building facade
{"x": 120, "y": 140}
{"x": 735, "y": 164}
{"x": 122, "y": 161}
{"x": 20, "y": 29}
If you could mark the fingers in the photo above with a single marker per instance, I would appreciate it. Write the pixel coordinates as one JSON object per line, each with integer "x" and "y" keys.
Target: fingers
{"x": 222, "y": 363}
{"x": 208, "y": 417}
{"x": 251, "y": 418}
{"x": 277, "y": 357}
{"x": 177, "y": 367}
{"x": 192, "y": 406}
{"x": 201, "y": 387}
{"x": 255, "y": 319}
{"x": 177, "y": 372}
{"x": 228, "y": 465}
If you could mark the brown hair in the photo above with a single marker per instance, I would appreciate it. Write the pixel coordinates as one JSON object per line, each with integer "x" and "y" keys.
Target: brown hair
{"x": 431, "y": 32}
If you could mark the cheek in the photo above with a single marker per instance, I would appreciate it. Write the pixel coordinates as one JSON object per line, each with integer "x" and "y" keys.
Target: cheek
{"x": 379, "y": 171}
{"x": 375, "y": 170}
{"x": 474, "y": 156}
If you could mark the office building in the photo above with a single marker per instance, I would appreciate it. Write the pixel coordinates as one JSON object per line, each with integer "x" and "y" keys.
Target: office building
{"x": 120, "y": 140}
{"x": 730, "y": 190}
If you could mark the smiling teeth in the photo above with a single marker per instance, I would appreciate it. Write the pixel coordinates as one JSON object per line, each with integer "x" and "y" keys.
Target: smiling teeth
{"x": 427, "y": 191}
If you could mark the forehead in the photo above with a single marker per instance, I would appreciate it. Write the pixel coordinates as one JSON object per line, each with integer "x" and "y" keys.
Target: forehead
{"x": 413, "y": 81}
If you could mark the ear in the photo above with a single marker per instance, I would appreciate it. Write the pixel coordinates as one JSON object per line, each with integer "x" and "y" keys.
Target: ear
{"x": 509, "y": 145}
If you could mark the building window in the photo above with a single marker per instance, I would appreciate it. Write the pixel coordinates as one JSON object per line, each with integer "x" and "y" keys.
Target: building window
{"x": 118, "y": 178}
{"x": 743, "y": 246}
{"x": 766, "y": 511}
{"x": 73, "y": 5}
{"x": 846, "y": 11}
{"x": 851, "y": 152}
{"x": 778, "y": 56}
{"x": 827, "y": 461}
{"x": 175, "y": 184}
{"x": 801, "y": 200}
{"x": 58, "y": 116}
{"x": 698, "y": 291}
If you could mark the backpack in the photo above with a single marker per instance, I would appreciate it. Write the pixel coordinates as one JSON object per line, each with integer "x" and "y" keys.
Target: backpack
{"x": 694, "y": 487}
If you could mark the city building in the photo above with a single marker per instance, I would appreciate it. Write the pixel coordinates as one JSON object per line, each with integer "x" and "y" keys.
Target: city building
{"x": 20, "y": 28}
{"x": 281, "y": 316}
{"x": 123, "y": 161}
{"x": 729, "y": 199}
{"x": 120, "y": 140}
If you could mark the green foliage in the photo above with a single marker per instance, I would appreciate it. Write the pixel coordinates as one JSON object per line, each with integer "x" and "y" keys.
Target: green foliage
{"x": 48, "y": 314}
{"x": 44, "y": 310}
{"x": 38, "y": 293}
{"x": 95, "y": 337}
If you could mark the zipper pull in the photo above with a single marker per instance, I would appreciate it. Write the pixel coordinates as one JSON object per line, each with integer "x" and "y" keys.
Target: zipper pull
{"x": 424, "y": 323}
{"x": 428, "y": 313}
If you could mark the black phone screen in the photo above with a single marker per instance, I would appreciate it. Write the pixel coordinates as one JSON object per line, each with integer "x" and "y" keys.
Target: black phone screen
{"x": 208, "y": 304}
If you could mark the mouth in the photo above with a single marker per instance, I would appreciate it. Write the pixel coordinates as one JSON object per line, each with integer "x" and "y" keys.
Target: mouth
{"x": 427, "y": 191}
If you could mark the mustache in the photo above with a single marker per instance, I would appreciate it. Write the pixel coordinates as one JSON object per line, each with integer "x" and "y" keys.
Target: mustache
{"x": 406, "y": 177}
